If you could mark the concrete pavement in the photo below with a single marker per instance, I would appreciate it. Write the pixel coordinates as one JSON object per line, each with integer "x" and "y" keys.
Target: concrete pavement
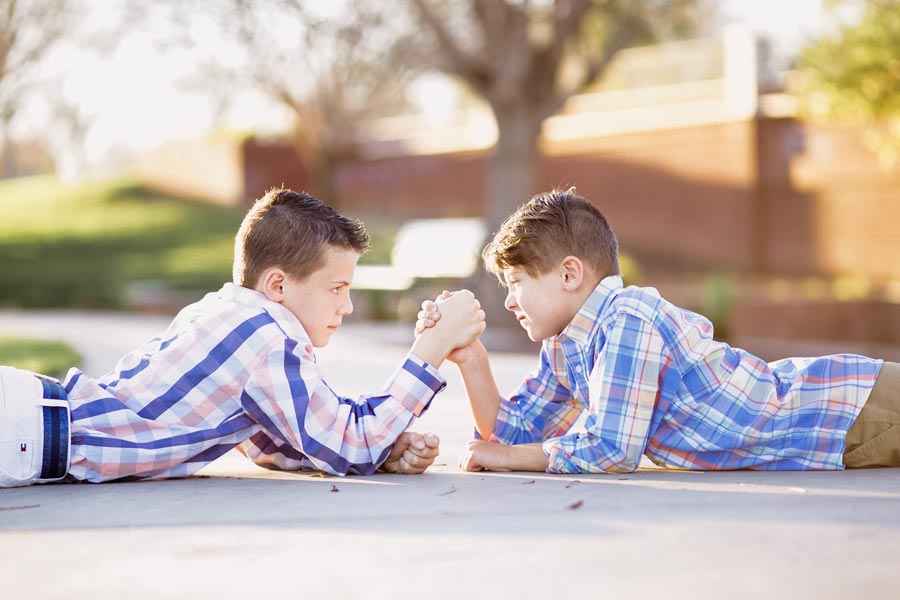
{"x": 237, "y": 530}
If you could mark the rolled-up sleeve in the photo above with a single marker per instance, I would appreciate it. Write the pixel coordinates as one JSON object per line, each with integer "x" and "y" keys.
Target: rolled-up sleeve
{"x": 288, "y": 396}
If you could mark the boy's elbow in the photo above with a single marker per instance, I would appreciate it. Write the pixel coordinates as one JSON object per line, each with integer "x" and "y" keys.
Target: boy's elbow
{"x": 623, "y": 467}
{"x": 619, "y": 462}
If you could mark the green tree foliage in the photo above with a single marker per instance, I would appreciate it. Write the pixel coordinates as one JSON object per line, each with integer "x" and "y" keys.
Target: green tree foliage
{"x": 854, "y": 75}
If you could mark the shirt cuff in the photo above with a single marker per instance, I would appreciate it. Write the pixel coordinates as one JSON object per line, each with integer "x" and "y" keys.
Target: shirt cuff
{"x": 559, "y": 459}
{"x": 415, "y": 384}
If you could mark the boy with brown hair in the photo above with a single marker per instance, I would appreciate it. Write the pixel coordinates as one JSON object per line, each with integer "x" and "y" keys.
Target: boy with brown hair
{"x": 238, "y": 369}
{"x": 624, "y": 374}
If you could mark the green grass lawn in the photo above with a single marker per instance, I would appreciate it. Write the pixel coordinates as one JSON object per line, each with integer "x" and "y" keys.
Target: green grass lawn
{"x": 40, "y": 356}
{"x": 81, "y": 246}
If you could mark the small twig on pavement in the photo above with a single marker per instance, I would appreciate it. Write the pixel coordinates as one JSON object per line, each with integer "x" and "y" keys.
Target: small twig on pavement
{"x": 527, "y": 482}
{"x": 19, "y": 507}
{"x": 334, "y": 488}
{"x": 571, "y": 483}
{"x": 576, "y": 505}
{"x": 448, "y": 492}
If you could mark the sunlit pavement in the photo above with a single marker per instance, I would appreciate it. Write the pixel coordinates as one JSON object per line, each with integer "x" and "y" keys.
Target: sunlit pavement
{"x": 238, "y": 530}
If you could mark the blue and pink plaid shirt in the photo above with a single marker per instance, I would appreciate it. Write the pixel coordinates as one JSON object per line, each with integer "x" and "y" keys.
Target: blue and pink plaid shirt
{"x": 234, "y": 370}
{"x": 634, "y": 375}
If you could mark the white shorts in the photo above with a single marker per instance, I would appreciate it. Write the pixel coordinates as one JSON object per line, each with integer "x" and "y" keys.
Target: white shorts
{"x": 34, "y": 429}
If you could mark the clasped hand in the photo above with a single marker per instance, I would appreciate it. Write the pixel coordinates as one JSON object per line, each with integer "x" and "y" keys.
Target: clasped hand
{"x": 461, "y": 322}
{"x": 430, "y": 315}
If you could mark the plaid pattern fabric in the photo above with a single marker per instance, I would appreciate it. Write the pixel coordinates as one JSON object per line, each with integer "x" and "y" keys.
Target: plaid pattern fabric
{"x": 234, "y": 370}
{"x": 647, "y": 378}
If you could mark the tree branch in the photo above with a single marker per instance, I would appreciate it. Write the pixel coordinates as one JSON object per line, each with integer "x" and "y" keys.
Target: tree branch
{"x": 626, "y": 29}
{"x": 458, "y": 61}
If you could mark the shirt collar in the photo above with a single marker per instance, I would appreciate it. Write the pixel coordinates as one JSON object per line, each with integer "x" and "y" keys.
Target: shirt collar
{"x": 587, "y": 319}
{"x": 239, "y": 294}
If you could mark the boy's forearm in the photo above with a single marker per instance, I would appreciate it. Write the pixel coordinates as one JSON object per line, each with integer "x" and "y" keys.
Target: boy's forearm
{"x": 481, "y": 389}
{"x": 430, "y": 349}
{"x": 527, "y": 457}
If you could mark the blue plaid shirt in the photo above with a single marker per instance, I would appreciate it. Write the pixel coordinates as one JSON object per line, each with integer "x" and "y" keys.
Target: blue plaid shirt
{"x": 646, "y": 378}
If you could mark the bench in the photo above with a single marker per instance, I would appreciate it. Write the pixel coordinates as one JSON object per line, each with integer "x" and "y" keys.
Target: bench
{"x": 426, "y": 252}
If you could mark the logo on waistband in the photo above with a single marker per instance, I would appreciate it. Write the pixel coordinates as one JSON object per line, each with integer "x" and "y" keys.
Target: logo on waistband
{"x": 23, "y": 447}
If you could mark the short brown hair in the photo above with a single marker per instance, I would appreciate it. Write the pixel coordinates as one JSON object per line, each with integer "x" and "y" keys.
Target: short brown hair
{"x": 548, "y": 228}
{"x": 291, "y": 230}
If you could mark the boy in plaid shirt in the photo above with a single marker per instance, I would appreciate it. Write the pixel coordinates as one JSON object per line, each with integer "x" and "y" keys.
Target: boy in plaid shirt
{"x": 238, "y": 370}
{"x": 624, "y": 374}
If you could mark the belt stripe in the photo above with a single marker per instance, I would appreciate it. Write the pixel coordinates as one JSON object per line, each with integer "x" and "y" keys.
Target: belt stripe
{"x": 56, "y": 432}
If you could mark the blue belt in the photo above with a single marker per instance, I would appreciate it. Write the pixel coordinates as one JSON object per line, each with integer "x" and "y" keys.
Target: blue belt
{"x": 55, "y": 458}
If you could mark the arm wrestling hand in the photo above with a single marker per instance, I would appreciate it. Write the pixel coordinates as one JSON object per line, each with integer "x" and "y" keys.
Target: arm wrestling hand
{"x": 462, "y": 319}
{"x": 461, "y": 322}
{"x": 426, "y": 319}
{"x": 431, "y": 314}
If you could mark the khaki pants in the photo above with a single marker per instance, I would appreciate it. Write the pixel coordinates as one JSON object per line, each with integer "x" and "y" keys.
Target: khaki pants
{"x": 874, "y": 438}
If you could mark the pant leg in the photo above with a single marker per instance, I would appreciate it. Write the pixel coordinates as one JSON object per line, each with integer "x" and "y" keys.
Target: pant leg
{"x": 34, "y": 429}
{"x": 21, "y": 439}
{"x": 874, "y": 438}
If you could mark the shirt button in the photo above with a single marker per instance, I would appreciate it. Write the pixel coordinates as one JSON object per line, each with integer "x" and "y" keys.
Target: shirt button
{"x": 578, "y": 368}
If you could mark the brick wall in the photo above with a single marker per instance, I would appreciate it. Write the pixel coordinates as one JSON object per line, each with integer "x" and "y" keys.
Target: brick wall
{"x": 271, "y": 164}
{"x": 680, "y": 198}
{"x": 413, "y": 186}
{"x": 773, "y": 196}
{"x": 856, "y": 220}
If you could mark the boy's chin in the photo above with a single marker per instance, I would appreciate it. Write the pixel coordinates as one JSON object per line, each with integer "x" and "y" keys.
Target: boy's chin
{"x": 321, "y": 343}
{"x": 536, "y": 336}
{"x": 539, "y": 335}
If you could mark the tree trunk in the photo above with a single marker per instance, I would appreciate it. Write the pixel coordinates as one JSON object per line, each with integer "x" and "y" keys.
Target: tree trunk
{"x": 7, "y": 149}
{"x": 323, "y": 177}
{"x": 513, "y": 167}
{"x": 511, "y": 181}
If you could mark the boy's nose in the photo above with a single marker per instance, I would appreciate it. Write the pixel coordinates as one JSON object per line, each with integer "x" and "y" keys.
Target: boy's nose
{"x": 510, "y": 302}
{"x": 348, "y": 307}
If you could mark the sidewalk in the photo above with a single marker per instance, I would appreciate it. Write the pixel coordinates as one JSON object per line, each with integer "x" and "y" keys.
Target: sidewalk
{"x": 240, "y": 531}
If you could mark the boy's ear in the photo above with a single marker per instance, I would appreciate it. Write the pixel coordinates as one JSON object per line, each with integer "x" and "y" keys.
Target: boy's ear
{"x": 572, "y": 271}
{"x": 271, "y": 283}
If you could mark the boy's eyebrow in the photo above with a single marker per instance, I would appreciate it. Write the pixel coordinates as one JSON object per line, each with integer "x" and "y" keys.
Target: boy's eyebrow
{"x": 340, "y": 281}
